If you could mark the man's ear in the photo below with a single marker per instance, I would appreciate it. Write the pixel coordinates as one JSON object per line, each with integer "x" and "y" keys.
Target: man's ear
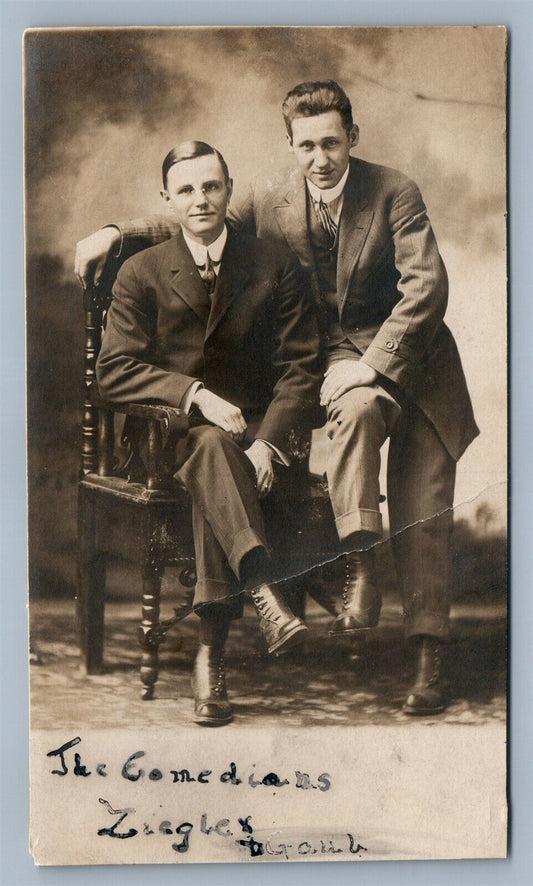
{"x": 289, "y": 141}
{"x": 229, "y": 186}
{"x": 353, "y": 136}
{"x": 165, "y": 197}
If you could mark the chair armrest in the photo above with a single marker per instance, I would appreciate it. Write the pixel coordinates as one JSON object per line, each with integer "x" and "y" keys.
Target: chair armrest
{"x": 165, "y": 425}
{"x": 174, "y": 421}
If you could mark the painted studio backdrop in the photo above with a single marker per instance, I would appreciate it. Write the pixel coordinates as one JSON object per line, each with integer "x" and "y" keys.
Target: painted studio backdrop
{"x": 104, "y": 107}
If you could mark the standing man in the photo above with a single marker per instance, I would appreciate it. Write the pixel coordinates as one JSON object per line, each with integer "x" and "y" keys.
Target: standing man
{"x": 218, "y": 323}
{"x": 363, "y": 238}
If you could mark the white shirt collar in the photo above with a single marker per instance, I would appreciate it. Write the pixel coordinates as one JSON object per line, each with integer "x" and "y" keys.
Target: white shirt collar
{"x": 328, "y": 195}
{"x": 199, "y": 251}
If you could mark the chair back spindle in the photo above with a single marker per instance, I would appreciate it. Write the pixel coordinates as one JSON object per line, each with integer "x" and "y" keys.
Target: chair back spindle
{"x": 95, "y": 303}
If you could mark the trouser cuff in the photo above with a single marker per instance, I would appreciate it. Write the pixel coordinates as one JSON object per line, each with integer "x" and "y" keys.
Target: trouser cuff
{"x": 429, "y": 623}
{"x": 360, "y": 520}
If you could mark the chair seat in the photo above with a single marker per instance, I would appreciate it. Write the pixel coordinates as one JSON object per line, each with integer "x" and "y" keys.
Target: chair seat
{"x": 141, "y": 525}
{"x": 299, "y": 522}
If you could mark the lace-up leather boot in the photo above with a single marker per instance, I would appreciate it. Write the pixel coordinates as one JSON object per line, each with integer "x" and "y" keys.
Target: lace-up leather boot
{"x": 211, "y": 705}
{"x": 279, "y": 626}
{"x": 361, "y": 600}
{"x": 426, "y": 696}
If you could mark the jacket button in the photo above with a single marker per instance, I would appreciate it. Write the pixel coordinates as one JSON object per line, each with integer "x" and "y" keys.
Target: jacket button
{"x": 390, "y": 345}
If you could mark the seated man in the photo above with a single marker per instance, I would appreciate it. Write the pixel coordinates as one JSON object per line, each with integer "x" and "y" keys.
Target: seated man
{"x": 217, "y": 323}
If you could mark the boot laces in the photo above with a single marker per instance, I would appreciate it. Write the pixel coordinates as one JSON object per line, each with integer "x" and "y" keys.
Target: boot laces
{"x": 216, "y": 677}
{"x": 265, "y": 608}
{"x": 348, "y": 579}
{"x": 218, "y": 687}
{"x": 435, "y": 673}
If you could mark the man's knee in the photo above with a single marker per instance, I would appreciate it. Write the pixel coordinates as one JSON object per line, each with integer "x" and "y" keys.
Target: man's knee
{"x": 205, "y": 443}
{"x": 207, "y": 436}
{"x": 208, "y": 439}
{"x": 361, "y": 406}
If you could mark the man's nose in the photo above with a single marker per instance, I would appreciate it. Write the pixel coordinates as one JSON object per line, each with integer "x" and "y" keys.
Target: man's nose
{"x": 321, "y": 158}
{"x": 200, "y": 197}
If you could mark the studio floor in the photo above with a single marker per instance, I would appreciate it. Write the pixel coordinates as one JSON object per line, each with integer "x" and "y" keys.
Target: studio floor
{"x": 325, "y": 683}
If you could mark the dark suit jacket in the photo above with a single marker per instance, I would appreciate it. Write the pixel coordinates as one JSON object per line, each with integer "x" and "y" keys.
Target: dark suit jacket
{"x": 391, "y": 282}
{"x": 256, "y": 344}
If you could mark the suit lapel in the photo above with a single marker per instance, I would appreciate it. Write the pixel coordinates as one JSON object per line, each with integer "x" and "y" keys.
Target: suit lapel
{"x": 356, "y": 219}
{"x": 355, "y": 222}
{"x": 186, "y": 281}
{"x": 291, "y": 213}
{"x": 232, "y": 279}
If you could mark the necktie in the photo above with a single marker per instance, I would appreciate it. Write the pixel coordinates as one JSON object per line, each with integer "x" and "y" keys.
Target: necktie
{"x": 326, "y": 220}
{"x": 207, "y": 273}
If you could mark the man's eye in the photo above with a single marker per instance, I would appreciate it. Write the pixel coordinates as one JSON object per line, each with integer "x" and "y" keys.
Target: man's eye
{"x": 185, "y": 191}
{"x": 212, "y": 186}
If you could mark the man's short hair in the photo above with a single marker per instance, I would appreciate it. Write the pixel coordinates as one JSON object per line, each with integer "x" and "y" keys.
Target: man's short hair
{"x": 316, "y": 97}
{"x": 189, "y": 151}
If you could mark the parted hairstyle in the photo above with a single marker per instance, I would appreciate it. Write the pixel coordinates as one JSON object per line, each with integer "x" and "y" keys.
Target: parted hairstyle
{"x": 189, "y": 151}
{"x": 316, "y": 97}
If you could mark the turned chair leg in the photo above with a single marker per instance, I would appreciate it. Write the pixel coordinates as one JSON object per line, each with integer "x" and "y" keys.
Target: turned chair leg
{"x": 90, "y": 599}
{"x": 90, "y": 607}
{"x": 149, "y": 631}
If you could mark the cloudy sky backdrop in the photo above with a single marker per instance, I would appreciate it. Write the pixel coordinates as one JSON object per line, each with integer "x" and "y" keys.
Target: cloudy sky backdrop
{"x": 103, "y": 107}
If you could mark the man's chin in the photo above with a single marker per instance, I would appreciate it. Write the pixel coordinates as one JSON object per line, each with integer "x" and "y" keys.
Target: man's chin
{"x": 204, "y": 231}
{"x": 203, "y": 226}
{"x": 324, "y": 182}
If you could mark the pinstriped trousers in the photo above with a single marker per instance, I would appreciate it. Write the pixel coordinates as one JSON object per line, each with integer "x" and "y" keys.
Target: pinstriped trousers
{"x": 226, "y": 515}
{"x": 420, "y": 488}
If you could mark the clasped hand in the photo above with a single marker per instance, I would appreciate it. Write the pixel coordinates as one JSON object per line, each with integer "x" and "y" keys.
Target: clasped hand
{"x": 342, "y": 376}
{"x": 230, "y": 418}
{"x": 221, "y": 413}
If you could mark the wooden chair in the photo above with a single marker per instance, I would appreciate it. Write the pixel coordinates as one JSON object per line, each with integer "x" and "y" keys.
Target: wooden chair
{"x": 135, "y": 509}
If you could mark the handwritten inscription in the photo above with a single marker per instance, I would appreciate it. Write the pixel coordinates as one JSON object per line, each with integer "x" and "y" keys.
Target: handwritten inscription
{"x": 126, "y": 823}
{"x": 132, "y": 770}
{"x": 243, "y": 833}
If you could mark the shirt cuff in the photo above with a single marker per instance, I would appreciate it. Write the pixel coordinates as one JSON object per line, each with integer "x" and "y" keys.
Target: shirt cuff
{"x": 280, "y": 456}
{"x": 186, "y": 403}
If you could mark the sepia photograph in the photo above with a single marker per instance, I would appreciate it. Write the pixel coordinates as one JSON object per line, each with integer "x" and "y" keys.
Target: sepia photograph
{"x": 266, "y": 306}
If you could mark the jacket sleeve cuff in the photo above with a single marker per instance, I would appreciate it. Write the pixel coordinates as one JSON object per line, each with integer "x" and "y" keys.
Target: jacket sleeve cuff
{"x": 187, "y": 399}
{"x": 387, "y": 362}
